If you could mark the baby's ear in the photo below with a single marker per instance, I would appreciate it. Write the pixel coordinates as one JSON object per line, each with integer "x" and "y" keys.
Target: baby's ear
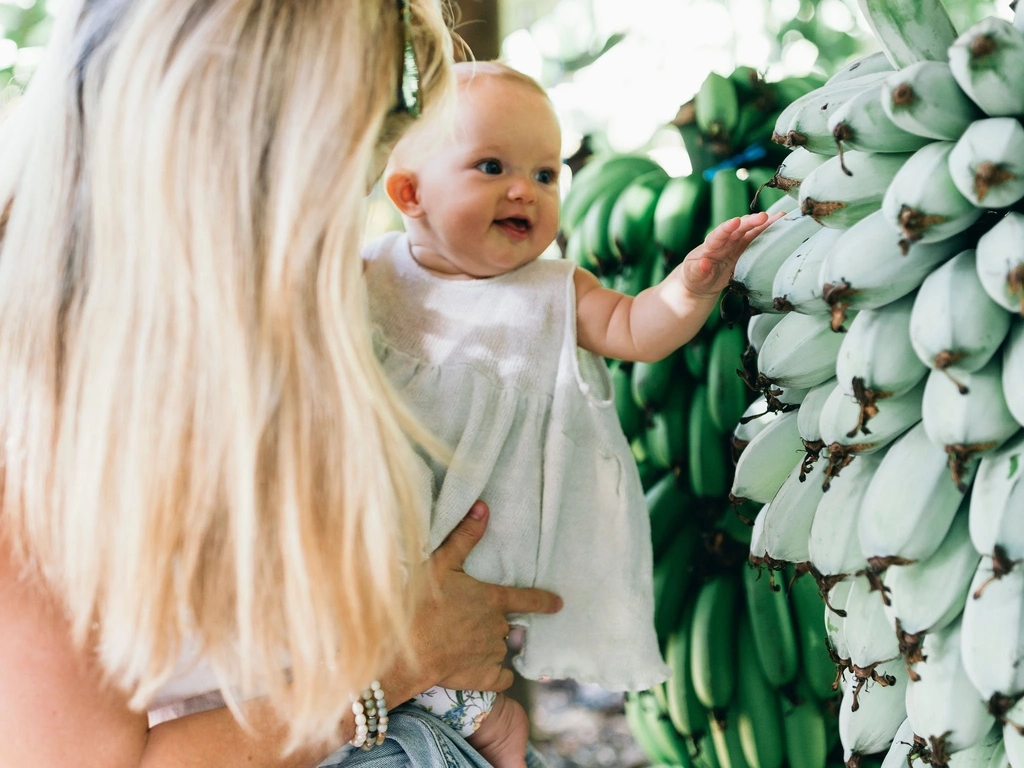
{"x": 403, "y": 189}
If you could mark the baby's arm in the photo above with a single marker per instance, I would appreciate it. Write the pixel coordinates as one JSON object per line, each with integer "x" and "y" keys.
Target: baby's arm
{"x": 665, "y": 316}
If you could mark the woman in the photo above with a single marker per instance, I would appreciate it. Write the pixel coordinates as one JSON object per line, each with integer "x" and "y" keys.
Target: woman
{"x": 200, "y": 457}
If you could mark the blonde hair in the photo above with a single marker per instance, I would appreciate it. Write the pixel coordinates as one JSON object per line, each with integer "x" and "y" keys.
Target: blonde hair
{"x": 422, "y": 139}
{"x": 197, "y": 440}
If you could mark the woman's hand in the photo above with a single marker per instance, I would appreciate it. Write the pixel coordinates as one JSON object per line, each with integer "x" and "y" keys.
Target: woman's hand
{"x": 460, "y": 629}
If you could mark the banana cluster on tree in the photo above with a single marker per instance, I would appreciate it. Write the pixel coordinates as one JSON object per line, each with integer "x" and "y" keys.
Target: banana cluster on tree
{"x": 888, "y": 315}
{"x": 752, "y": 682}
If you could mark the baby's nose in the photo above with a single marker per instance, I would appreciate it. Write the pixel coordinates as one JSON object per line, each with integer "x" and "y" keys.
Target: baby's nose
{"x": 521, "y": 189}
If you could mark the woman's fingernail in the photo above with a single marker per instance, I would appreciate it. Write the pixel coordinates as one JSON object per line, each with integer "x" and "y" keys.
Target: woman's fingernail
{"x": 477, "y": 511}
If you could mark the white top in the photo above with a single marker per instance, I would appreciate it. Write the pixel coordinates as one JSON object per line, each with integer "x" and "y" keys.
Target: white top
{"x": 492, "y": 368}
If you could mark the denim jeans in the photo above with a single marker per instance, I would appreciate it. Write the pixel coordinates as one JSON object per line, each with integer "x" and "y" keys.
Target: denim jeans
{"x": 417, "y": 739}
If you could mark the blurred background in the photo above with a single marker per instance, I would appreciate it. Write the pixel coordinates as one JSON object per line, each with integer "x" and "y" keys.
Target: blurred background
{"x": 617, "y": 73}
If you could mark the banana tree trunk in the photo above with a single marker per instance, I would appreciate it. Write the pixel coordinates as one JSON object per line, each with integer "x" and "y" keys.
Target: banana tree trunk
{"x": 910, "y": 30}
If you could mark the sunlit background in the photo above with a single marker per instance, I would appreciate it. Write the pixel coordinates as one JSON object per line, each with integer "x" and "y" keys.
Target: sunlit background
{"x": 616, "y": 70}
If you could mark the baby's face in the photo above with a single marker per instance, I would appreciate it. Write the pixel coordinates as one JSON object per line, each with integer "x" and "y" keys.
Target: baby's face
{"x": 490, "y": 195}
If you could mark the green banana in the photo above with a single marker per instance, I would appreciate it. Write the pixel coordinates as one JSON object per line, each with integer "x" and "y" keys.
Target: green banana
{"x": 667, "y": 503}
{"x": 594, "y": 229}
{"x": 631, "y": 223}
{"x": 706, "y": 455}
{"x": 666, "y": 438}
{"x": 804, "y": 123}
{"x": 660, "y": 696}
{"x": 695, "y": 355}
{"x": 725, "y": 736}
{"x": 639, "y": 724}
{"x": 728, "y": 396}
{"x": 630, "y": 416}
{"x": 649, "y": 474}
{"x": 753, "y": 124}
{"x": 861, "y": 124}
{"x": 633, "y": 278}
{"x": 703, "y": 752}
{"x": 865, "y": 65}
{"x": 684, "y": 708}
{"x": 652, "y": 383}
{"x": 579, "y": 255}
{"x": 846, "y": 189}
{"x": 924, "y": 99}
{"x": 910, "y": 31}
{"x": 923, "y": 203}
{"x": 601, "y": 176}
{"x": 986, "y": 61}
{"x": 713, "y": 642}
{"x": 717, "y": 107}
{"x": 672, "y": 575}
{"x": 772, "y": 628}
{"x": 759, "y": 719}
{"x": 805, "y": 730}
{"x": 729, "y": 196}
{"x": 678, "y": 216}
{"x": 747, "y": 81}
{"x": 817, "y": 670}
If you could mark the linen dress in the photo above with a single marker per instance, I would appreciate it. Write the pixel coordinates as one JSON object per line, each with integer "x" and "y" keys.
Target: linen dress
{"x": 492, "y": 367}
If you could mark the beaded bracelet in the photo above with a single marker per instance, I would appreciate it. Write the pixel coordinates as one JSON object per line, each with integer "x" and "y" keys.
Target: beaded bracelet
{"x": 371, "y": 713}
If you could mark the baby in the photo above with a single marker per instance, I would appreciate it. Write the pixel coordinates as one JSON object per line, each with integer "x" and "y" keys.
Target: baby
{"x": 500, "y": 355}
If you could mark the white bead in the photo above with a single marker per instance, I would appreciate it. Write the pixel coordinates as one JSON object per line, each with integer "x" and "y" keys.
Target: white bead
{"x": 383, "y": 719}
{"x": 383, "y": 728}
{"x": 357, "y": 707}
{"x": 360, "y": 719}
{"x": 375, "y": 685}
{"x": 378, "y": 695}
{"x": 362, "y": 730}
{"x": 382, "y": 710}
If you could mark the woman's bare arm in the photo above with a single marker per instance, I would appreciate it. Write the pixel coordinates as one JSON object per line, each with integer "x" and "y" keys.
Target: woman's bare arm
{"x": 55, "y": 709}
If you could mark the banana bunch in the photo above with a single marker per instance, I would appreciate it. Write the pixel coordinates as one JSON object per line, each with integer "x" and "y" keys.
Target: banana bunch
{"x": 888, "y": 313}
{"x": 752, "y": 678}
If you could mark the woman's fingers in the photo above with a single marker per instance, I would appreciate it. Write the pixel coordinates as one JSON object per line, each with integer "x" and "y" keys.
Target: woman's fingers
{"x": 466, "y": 535}
{"x": 460, "y": 631}
{"x": 527, "y": 600}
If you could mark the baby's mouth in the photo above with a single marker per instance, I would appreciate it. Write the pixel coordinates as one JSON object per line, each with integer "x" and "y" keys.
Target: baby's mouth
{"x": 514, "y": 226}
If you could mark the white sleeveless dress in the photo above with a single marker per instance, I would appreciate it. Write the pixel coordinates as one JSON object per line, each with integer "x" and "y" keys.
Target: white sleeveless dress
{"x": 492, "y": 367}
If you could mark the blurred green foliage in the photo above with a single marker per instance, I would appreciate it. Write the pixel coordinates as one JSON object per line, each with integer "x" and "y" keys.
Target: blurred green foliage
{"x": 24, "y": 28}
{"x": 25, "y": 25}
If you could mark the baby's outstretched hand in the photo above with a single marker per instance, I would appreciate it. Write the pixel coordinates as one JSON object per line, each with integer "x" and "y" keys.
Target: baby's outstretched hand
{"x": 708, "y": 268}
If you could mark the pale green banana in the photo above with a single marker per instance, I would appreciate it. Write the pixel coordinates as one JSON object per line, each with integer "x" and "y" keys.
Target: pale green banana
{"x": 987, "y": 162}
{"x": 1000, "y": 261}
{"x": 862, "y": 124}
{"x": 844, "y": 190}
{"x": 924, "y": 99}
{"x": 796, "y": 287}
{"x": 954, "y": 325}
{"x": 922, "y": 202}
{"x": 986, "y": 61}
{"x": 910, "y": 31}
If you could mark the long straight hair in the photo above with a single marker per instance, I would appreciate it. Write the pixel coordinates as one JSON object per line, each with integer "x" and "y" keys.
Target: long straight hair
{"x": 197, "y": 442}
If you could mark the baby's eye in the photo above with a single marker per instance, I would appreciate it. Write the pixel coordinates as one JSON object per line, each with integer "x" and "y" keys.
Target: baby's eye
{"x": 490, "y": 167}
{"x": 547, "y": 176}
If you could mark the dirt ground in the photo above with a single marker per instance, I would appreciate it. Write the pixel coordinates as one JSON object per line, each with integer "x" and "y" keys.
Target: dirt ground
{"x": 581, "y": 726}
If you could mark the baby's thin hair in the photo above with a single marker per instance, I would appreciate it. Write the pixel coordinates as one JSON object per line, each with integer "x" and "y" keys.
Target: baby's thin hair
{"x": 423, "y": 137}
{"x": 468, "y": 71}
